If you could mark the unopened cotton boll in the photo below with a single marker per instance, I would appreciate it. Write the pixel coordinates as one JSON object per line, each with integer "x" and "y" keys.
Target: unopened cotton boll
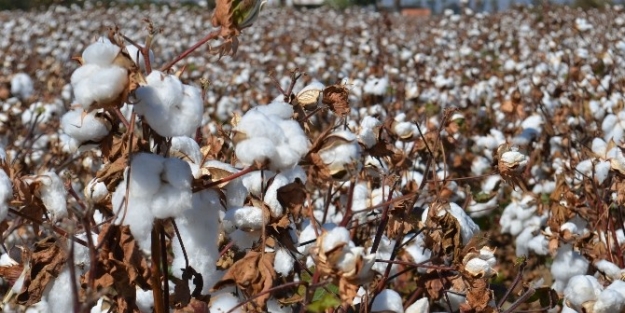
{"x": 387, "y": 301}
{"x": 170, "y": 107}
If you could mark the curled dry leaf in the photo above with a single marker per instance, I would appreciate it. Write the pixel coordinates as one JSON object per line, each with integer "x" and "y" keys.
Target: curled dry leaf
{"x": 253, "y": 274}
{"x": 336, "y": 97}
{"x": 46, "y": 261}
{"x": 120, "y": 266}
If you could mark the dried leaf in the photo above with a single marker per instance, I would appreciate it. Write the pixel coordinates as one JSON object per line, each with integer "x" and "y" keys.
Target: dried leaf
{"x": 253, "y": 274}
{"x": 337, "y": 98}
{"x": 46, "y": 262}
{"x": 292, "y": 197}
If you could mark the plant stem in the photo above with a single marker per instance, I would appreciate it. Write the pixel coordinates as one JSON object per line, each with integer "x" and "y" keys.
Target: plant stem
{"x": 211, "y": 36}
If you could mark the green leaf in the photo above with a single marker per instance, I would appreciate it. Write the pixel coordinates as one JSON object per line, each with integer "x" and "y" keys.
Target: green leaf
{"x": 326, "y": 301}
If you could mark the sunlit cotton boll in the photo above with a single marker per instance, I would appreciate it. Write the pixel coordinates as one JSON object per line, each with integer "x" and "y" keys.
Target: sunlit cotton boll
{"x": 267, "y": 134}
{"x": 387, "y": 301}
{"x": 6, "y": 193}
{"x": 84, "y": 127}
{"x": 158, "y": 187}
{"x": 341, "y": 153}
{"x": 170, "y": 107}
{"x": 98, "y": 81}
{"x": 581, "y": 288}
{"x": 22, "y": 86}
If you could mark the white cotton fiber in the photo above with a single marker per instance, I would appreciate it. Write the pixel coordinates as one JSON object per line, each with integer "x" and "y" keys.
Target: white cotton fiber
{"x": 22, "y": 86}
{"x": 98, "y": 85}
{"x": 223, "y": 303}
{"x": 136, "y": 214}
{"x": 283, "y": 262}
{"x": 420, "y": 306}
{"x": 246, "y": 218}
{"x": 6, "y": 193}
{"x": 84, "y": 126}
{"x": 199, "y": 230}
{"x": 581, "y": 288}
{"x": 58, "y": 294}
{"x": 174, "y": 195}
{"x": 171, "y": 108}
{"x": 387, "y": 301}
{"x": 336, "y": 237}
{"x": 609, "y": 301}
{"x": 567, "y": 263}
{"x": 53, "y": 195}
{"x": 102, "y": 52}
{"x": 137, "y": 56}
{"x": 468, "y": 228}
{"x": 309, "y": 235}
{"x": 145, "y": 300}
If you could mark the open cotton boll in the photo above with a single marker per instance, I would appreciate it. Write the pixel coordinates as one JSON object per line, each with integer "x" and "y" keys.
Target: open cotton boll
{"x": 58, "y": 294}
{"x": 22, "y": 86}
{"x": 567, "y": 263}
{"x": 420, "y": 306}
{"x": 174, "y": 195}
{"x": 53, "y": 195}
{"x": 417, "y": 250}
{"x": 247, "y": 218}
{"x": 278, "y": 109}
{"x": 609, "y": 301}
{"x": 199, "y": 230}
{"x": 467, "y": 226}
{"x": 581, "y": 288}
{"x": 610, "y": 269}
{"x": 171, "y": 108}
{"x": 84, "y": 126}
{"x": 376, "y": 86}
{"x": 223, "y": 303}
{"x": 338, "y": 155}
{"x": 189, "y": 150}
{"x": 144, "y": 300}
{"x": 387, "y": 301}
{"x": 102, "y": 52}
{"x": 137, "y": 56}
{"x": 6, "y": 193}
{"x": 96, "y": 86}
{"x": 138, "y": 215}
{"x": 283, "y": 263}
{"x": 334, "y": 238}
{"x": 309, "y": 235}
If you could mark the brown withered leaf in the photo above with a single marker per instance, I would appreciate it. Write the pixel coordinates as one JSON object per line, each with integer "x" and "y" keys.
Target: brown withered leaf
{"x": 347, "y": 290}
{"x": 292, "y": 196}
{"x": 478, "y": 296}
{"x": 181, "y": 297}
{"x": 47, "y": 260}
{"x": 445, "y": 238}
{"x": 120, "y": 266}
{"x": 336, "y": 97}
{"x": 253, "y": 274}
{"x": 194, "y": 306}
{"x": 223, "y": 17}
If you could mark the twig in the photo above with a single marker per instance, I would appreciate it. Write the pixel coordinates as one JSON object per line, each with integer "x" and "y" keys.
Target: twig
{"x": 157, "y": 291}
{"x": 184, "y": 251}
{"x": 211, "y": 36}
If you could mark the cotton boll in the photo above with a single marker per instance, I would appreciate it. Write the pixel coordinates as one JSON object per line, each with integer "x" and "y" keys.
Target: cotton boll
{"x": 223, "y": 303}
{"x": 145, "y": 177}
{"x": 259, "y": 149}
{"x": 417, "y": 250}
{"x": 53, "y": 195}
{"x": 59, "y": 295}
{"x": 420, "y": 306}
{"x": 283, "y": 262}
{"x": 101, "y": 52}
{"x": 171, "y": 108}
{"x": 199, "y": 231}
{"x": 309, "y": 235}
{"x": 189, "y": 150}
{"x": 279, "y": 109}
{"x": 567, "y": 264}
{"x": 387, "y": 301}
{"x": 6, "y": 193}
{"x": 96, "y": 86}
{"x": 136, "y": 214}
{"x": 609, "y": 269}
{"x": 144, "y": 300}
{"x": 334, "y": 238}
{"x": 84, "y": 126}
{"x": 137, "y": 56}
{"x": 581, "y": 288}
{"x": 273, "y": 306}
{"x": 609, "y": 301}
{"x": 247, "y": 218}
{"x": 174, "y": 195}
{"x": 467, "y": 226}
{"x": 22, "y": 86}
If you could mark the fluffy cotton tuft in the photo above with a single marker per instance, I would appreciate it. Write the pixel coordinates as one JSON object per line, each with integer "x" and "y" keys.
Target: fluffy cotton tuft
{"x": 22, "y": 86}
{"x": 267, "y": 134}
{"x": 6, "y": 193}
{"x": 223, "y": 303}
{"x": 387, "y": 301}
{"x": 84, "y": 127}
{"x": 99, "y": 82}
{"x": 170, "y": 107}
{"x": 158, "y": 188}
{"x": 53, "y": 195}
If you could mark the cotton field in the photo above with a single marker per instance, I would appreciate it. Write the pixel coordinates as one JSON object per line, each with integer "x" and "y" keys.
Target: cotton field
{"x": 249, "y": 159}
